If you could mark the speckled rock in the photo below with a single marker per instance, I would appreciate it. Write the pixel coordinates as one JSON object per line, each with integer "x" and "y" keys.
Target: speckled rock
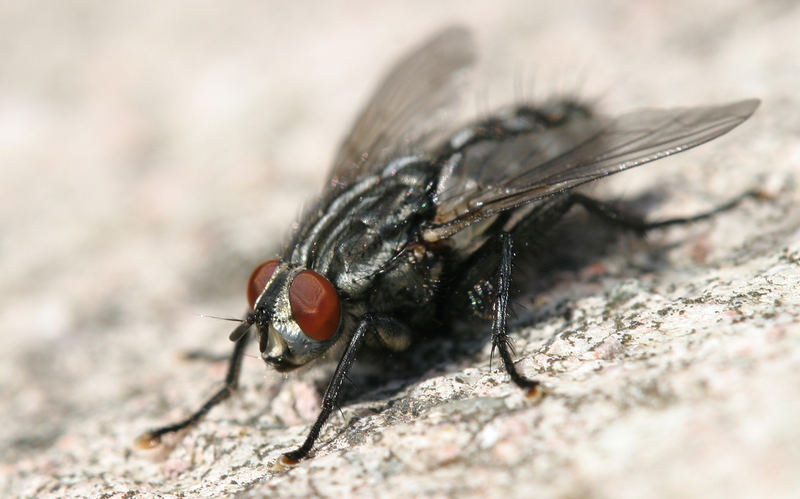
{"x": 152, "y": 156}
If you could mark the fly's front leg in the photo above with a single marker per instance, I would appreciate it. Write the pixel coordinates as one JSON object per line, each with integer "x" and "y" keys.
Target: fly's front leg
{"x": 500, "y": 338}
{"x": 370, "y": 323}
{"x": 153, "y": 438}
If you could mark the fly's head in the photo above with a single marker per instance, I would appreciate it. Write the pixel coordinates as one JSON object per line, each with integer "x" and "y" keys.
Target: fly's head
{"x": 297, "y": 313}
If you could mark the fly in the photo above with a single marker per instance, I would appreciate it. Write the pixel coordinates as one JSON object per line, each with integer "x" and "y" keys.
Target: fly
{"x": 414, "y": 224}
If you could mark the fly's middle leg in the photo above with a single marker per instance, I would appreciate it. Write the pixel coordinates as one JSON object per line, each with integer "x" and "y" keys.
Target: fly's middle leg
{"x": 500, "y": 339}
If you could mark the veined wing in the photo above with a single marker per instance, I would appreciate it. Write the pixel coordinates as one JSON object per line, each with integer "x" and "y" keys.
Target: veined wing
{"x": 409, "y": 97}
{"x": 597, "y": 147}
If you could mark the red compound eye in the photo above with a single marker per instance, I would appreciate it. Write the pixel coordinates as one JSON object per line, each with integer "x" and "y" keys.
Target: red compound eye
{"x": 259, "y": 279}
{"x": 315, "y": 305}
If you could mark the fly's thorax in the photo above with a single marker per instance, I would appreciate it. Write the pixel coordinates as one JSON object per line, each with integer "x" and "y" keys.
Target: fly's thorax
{"x": 297, "y": 313}
{"x": 354, "y": 236}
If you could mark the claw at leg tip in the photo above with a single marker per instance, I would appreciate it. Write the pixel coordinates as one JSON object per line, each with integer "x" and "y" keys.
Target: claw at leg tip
{"x": 534, "y": 393}
{"x": 147, "y": 441}
{"x": 285, "y": 462}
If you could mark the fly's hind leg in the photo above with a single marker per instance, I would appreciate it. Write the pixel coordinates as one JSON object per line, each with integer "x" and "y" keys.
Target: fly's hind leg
{"x": 152, "y": 438}
{"x": 500, "y": 339}
{"x": 638, "y": 225}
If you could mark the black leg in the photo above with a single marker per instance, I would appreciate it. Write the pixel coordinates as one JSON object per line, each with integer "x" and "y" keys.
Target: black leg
{"x": 637, "y": 224}
{"x": 500, "y": 338}
{"x": 367, "y": 324}
{"x": 546, "y": 216}
{"x": 153, "y": 438}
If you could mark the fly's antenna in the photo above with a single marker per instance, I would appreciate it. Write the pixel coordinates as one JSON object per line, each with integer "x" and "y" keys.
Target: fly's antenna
{"x": 241, "y": 330}
{"x": 231, "y": 319}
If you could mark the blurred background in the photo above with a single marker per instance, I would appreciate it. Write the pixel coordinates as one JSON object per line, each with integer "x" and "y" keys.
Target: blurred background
{"x": 152, "y": 154}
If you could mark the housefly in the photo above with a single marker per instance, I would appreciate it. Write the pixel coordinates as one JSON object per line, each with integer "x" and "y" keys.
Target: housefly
{"x": 415, "y": 225}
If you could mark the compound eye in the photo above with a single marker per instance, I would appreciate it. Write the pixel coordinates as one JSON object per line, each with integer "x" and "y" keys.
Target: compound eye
{"x": 258, "y": 279}
{"x": 315, "y": 305}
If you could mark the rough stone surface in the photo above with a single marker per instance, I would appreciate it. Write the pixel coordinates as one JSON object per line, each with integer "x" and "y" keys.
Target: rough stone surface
{"x": 152, "y": 155}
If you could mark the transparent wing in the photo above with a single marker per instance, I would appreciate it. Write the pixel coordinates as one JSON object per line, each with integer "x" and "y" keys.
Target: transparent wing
{"x": 394, "y": 121}
{"x": 511, "y": 173}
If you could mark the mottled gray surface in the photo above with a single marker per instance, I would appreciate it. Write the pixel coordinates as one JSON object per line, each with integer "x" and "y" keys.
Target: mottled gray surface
{"x": 152, "y": 155}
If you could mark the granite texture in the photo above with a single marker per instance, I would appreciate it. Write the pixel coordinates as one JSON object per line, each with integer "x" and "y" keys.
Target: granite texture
{"x": 151, "y": 156}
